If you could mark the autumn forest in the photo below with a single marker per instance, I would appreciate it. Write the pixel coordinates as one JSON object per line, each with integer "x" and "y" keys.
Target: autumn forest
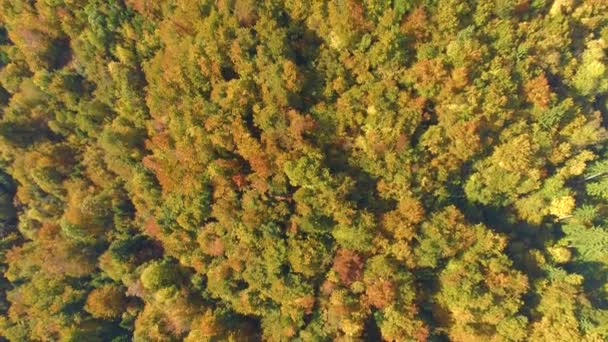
{"x": 304, "y": 170}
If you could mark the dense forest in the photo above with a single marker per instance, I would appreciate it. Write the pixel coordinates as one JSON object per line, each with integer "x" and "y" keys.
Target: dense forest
{"x": 304, "y": 170}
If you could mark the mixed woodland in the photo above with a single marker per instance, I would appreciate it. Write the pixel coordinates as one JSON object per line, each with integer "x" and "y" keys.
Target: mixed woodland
{"x": 304, "y": 170}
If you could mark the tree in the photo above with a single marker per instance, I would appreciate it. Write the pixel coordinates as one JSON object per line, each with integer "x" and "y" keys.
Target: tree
{"x": 508, "y": 173}
{"x": 160, "y": 275}
{"x": 482, "y": 293}
{"x": 106, "y": 302}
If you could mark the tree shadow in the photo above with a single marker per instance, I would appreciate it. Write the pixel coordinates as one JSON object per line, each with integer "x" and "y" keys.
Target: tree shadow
{"x": 596, "y": 276}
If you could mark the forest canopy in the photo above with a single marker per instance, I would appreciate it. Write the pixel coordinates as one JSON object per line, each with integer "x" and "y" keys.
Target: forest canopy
{"x": 304, "y": 170}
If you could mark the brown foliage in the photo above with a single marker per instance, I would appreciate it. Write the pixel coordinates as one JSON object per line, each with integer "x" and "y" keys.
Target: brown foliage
{"x": 239, "y": 180}
{"x": 52, "y": 253}
{"x": 148, "y": 8}
{"x": 307, "y": 303}
{"x": 251, "y": 149}
{"x": 300, "y": 124}
{"x": 381, "y": 293}
{"x": 152, "y": 228}
{"x": 207, "y": 325}
{"x": 349, "y": 266}
{"x": 401, "y": 221}
{"x": 416, "y": 24}
{"x": 106, "y": 302}
{"x": 538, "y": 92}
{"x": 429, "y": 72}
{"x": 357, "y": 15}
